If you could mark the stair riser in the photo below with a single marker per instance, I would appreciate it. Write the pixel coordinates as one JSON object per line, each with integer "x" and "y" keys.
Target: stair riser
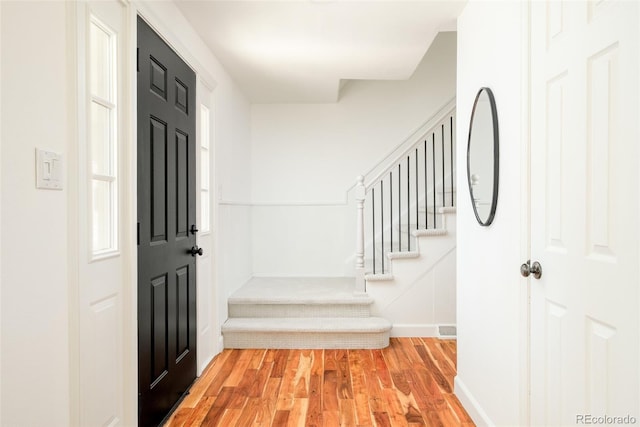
{"x": 306, "y": 340}
{"x": 299, "y": 310}
{"x": 432, "y": 248}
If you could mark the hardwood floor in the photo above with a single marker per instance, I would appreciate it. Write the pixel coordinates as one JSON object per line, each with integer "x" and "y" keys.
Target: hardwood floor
{"x": 409, "y": 383}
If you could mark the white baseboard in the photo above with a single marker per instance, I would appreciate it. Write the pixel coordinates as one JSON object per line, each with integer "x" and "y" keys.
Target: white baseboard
{"x": 414, "y": 330}
{"x": 204, "y": 364}
{"x": 473, "y": 408}
{"x": 409, "y": 330}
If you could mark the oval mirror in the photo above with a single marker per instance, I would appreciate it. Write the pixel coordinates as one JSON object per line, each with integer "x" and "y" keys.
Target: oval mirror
{"x": 482, "y": 157}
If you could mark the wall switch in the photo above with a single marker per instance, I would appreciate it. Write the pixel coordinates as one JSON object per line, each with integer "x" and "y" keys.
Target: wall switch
{"x": 48, "y": 170}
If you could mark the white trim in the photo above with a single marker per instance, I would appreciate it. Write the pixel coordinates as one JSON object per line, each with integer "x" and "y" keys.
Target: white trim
{"x": 146, "y": 12}
{"x": 128, "y": 226}
{"x": 290, "y": 276}
{"x": 525, "y": 218}
{"x": 1, "y": 217}
{"x": 415, "y": 330}
{"x": 105, "y": 178}
{"x": 470, "y": 404}
{"x": 75, "y": 127}
{"x": 105, "y": 254}
{"x": 202, "y": 365}
{"x": 309, "y": 203}
{"x": 101, "y": 101}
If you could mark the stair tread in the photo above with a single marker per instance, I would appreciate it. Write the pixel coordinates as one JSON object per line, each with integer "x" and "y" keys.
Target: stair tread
{"x": 299, "y": 290}
{"x": 403, "y": 255}
{"x": 307, "y": 324}
{"x": 378, "y": 277}
{"x": 430, "y": 232}
{"x": 439, "y": 209}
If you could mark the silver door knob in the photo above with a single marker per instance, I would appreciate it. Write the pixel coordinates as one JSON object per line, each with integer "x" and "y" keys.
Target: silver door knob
{"x": 527, "y": 268}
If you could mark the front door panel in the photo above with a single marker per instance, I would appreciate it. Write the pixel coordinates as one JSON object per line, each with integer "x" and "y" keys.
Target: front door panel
{"x": 166, "y": 211}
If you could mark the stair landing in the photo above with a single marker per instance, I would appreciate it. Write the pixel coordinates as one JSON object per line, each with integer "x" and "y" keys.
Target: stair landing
{"x": 303, "y": 313}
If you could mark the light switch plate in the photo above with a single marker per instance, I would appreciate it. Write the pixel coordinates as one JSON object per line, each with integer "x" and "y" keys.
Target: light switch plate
{"x": 48, "y": 170}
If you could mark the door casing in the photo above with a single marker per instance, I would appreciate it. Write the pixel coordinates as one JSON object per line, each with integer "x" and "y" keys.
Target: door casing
{"x": 128, "y": 198}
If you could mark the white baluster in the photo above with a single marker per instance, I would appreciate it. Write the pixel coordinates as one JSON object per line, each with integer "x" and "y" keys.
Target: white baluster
{"x": 360, "y": 193}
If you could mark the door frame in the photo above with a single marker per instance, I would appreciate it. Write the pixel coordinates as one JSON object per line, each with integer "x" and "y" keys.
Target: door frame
{"x": 130, "y": 303}
{"x": 0, "y": 214}
{"x": 127, "y": 197}
{"x": 525, "y": 213}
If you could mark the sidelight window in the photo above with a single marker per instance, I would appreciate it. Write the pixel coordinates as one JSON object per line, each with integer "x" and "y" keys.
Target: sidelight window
{"x": 103, "y": 135}
{"x": 205, "y": 201}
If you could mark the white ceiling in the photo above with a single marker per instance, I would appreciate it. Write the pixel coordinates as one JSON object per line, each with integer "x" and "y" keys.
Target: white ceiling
{"x": 300, "y": 51}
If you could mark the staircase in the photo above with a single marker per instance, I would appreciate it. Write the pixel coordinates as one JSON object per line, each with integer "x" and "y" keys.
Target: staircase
{"x": 303, "y": 313}
{"x": 422, "y": 244}
{"x": 404, "y": 261}
{"x": 405, "y": 255}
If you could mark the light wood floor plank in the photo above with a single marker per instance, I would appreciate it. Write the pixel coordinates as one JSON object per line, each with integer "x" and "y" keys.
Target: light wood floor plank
{"x": 201, "y": 385}
{"x": 287, "y": 388}
{"x": 199, "y": 412}
{"x": 217, "y": 381}
{"x": 230, "y": 417}
{"x": 393, "y": 407}
{"x": 280, "y": 419}
{"x": 358, "y": 382}
{"x": 347, "y": 412}
{"x": 314, "y": 411}
{"x": 409, "y": 383}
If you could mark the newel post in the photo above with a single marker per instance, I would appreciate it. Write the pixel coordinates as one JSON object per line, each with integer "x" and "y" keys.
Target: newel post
{"x": 360, "y": 193}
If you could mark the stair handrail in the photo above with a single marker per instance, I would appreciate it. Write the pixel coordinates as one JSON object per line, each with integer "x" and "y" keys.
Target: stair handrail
{"x": 382, "y": 168}
{"x": 374, "y": 174}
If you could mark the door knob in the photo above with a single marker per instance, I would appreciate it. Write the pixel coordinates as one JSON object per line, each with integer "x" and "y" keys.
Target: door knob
{"x": 527, "y": 268}
{"x": 195, "y": 250}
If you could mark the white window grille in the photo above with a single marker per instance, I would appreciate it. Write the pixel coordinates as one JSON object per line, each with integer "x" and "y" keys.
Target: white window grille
{"x": 103, "y": 136}
{"x": 205, "y": 200}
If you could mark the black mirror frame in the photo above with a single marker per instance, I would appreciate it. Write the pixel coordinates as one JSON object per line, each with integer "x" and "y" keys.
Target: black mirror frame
{"x": 496, "y": 157}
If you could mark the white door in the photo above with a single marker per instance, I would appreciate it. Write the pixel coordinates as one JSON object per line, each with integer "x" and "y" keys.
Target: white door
{"x": 584, "y": 211}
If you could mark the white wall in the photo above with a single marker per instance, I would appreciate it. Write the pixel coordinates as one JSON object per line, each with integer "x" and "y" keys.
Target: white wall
{"x": 231, "y": 162}
{"x": 489, "y": 287}
{"x": 305, "y": 157}
{"x": 37, "y": 311}
{"x": 35, "y": 338}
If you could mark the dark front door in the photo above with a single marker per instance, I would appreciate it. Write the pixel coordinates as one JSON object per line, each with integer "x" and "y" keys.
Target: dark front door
{"x": 166, "y": 214}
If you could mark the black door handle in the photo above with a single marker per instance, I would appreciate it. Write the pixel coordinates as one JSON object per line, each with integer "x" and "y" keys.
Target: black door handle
{"x": 195, "y": 250}
{"x": 194, "y": 230}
